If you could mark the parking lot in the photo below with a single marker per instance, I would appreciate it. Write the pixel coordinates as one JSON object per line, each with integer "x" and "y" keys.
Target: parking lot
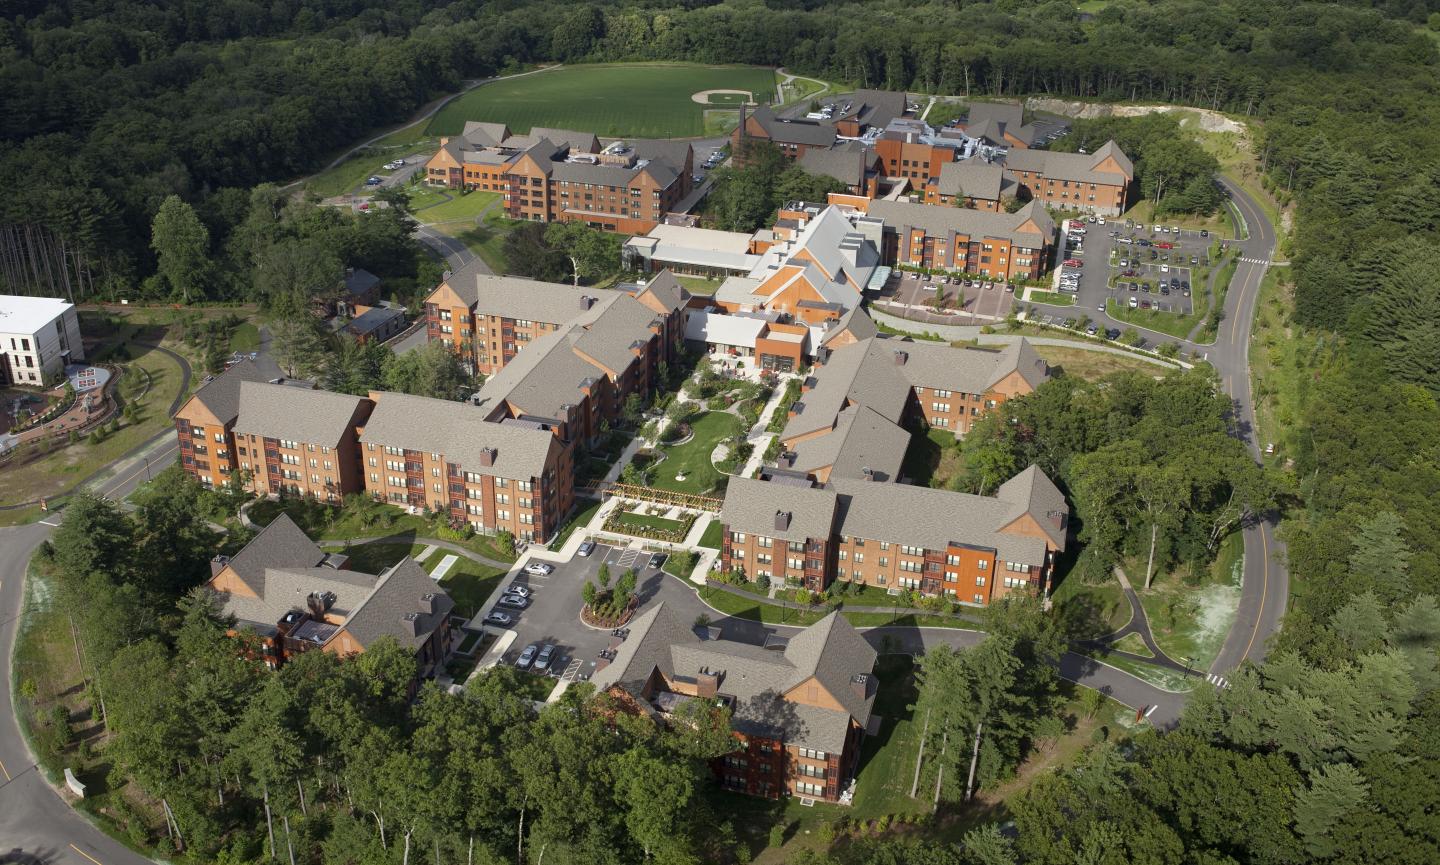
{"x": 1161, "y": 271}
{"x": 553, "y": 615}
{"x": 965, "y": 300}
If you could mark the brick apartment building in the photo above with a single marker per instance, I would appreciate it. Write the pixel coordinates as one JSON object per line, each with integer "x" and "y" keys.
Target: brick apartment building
{"x": 983, "y": 242}
{"x": 553, "y": 175}
{"x": 834, "y": 506}
{"x": 488, "y": 319}
{"x": 849, "y": 116}
{"x": 799, "y": 712}
{"x": 298, "y": 598}
{"x": 300, "y": 442}
{"x": 205, "y": 425}
{"x": 973, "y": 184}
{"x": 998, "y": 124}
{"x": 850, "y": 162}
{"x": 514, "y": 475}
{"x": 972, "y": 549}
{"x": 1096, "y": 182}
{"x": 577, "y": 378}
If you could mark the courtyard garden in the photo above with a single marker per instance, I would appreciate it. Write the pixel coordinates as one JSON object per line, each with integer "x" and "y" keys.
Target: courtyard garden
{"x": 650, "y": 521}
{"x": 686, "y": 467}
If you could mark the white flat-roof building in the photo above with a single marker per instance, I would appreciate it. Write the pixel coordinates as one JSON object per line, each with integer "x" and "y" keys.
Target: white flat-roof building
{"x": 38, "y": 337}
{"x": 694, "y": 251}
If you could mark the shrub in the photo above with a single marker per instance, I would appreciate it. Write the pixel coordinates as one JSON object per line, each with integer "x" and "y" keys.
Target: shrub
{"x": 777, "y": 835}
{"x": 762, "y": 583}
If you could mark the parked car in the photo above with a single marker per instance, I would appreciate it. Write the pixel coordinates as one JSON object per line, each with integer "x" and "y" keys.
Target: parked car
{"x": 1164, "y": 268}
{"x": 1092, "y": 329}
{"x": 373, "y": 180}
{"x": 586, "y": 548}
{"x": 1068, "y": 323}
{"x": 539, "y": 569}
{"x": 1134, "y": 302}
{"x": 499, "y": 618}
{"x": 1185, "y": 291}
{"x": 1074, "y": 262}
{"x": 519, "y": 591}
{"x": 658, "y": 560}
{"x": 698, "y": 178}
{"x": 1144, "y": 304}
{"x": 527, "y": 657}
{"x": 1165, "y": 290}
{"x": 514, "y": 602}
{"x": 542, "y": 660}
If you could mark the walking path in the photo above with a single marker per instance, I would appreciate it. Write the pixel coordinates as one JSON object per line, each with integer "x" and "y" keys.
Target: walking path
{"x": 1139, "y": 624}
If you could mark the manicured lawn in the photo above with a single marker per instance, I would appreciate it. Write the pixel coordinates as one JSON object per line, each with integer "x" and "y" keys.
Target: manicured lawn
{"x": 758, "y": 610}
{"x": 461, "y": 206}
{"x": 372, "y": 520}
{"x": 693, "y": 457}
{"x": 1154, "y": 319}
{"x": 486, "y": 240}
{"x": 1054, "y": 298}
{"x": 649, "y": 521}
{"x": 643, "y": 100}
{"x": 713, "y": 535}
{"x": 469, "y": 583}
{"x": 887, "y": 761}
{"x": 374, "y": 558}
{"x": 699, "y": 285}
{"x": 1090, "y": 611}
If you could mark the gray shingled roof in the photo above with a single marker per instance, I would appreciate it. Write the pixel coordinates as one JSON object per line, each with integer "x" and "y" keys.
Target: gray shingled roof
{"x": 844, "y": 162}
{"x": 1072, "y": 166}
{"x": 850, "y": 376}
{"x": 373, "y": 319}
{"x": 279, "y": 545}
{"x": 831, "y": 651}
{"x": 942, "y": 220}
{"x": 1032, "y": 492}
{"x": 288, "y": 588}
{"x": 960, "y": 369}
{"x": 751, "y": 507}
{"x": 614, "y": 335}
{"x": 482, "y": 134}
{"x": 862, "y": 440}
{"x": 930, "y": 518}
{"x": 221, "y": 397}
{"x": 403, "y": 591}
{"x": 459, "y": 432}
{"x": 359, "y": 280}
{"x": 666, "y": 289}
{"x": 317, "y": 417}
{"x": 972, "y": 179}
{"x": 857, "y": 322}
{"x": 529, "y": 299}
{"x": 672, "y": 153}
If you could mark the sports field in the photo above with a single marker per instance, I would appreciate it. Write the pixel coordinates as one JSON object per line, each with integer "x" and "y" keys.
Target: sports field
{"x": 640, "y": 100}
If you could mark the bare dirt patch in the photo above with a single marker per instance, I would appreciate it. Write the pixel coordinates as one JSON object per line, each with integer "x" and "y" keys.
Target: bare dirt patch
{"x": 703, "y": 97}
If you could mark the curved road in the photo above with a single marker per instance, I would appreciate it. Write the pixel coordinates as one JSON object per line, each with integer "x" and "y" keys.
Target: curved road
{"x": 35, "y": 820}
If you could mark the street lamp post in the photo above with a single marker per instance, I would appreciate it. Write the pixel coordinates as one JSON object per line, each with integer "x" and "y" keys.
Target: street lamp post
{"x": 1188, "y": 662}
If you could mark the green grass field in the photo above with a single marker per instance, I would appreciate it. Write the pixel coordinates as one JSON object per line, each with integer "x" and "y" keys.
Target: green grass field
{"x": 642, "y": 100}
{"x": 461, "y": 206}
{"x": 692, "y": 459}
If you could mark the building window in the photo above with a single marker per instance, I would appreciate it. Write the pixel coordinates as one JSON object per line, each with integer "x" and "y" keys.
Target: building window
{"x": 811, "y": 754}
{"x": 805, "y": 788}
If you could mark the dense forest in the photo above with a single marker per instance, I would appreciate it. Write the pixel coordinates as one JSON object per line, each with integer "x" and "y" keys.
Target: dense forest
{"x": 1326, "y": 753}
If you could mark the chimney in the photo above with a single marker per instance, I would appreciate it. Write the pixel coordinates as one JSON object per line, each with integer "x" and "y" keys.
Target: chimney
{"x": 410, "y": 624}
{"x": 218, "y": 564}
{"x": 349, "y": 271}
{"x": 707, "y": 683}
{"x": 901, "y": 357}
{"x": 867, "y": 473}
{"x": 487, "y": 456}
{"x": 782, "y": 521}
{"x": 860, "y": 684}
{"x": 586, "y": 301}
{"x": 427, "y": 603}
{"x": 319, "y": 603}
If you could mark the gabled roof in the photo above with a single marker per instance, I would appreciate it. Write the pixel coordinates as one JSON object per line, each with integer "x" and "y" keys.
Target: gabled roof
{"x": 973, "y": 179}
{"x": 930, "y": 518}
{"x": 404, "y": 603}
{"x": 279, "y": 545}
{"x": 528, "y": 299}
{"x": 480, "y": 133}
{"x": 862, "y": 441}
{"x": 358, "y": 281}
{"x": 751, "y": 506}
{"x": 874, "y": 107}
{"x": 943, "y": 220}
{"x": 317, "y": 417}
{"x": 289, "y": 588}
{"x": 1032, "y": 492}
{"x": 964, "y": 369}
{"x": 613, "y": 336}
{"x": 221, "y": 396}
{"x": 848, "y": 378}
{"x": 799, "y": 270}
{"x": 673, "y": 153}
{"x": 459, "y": 432}
{"x": 833, "y": 652}
{"x": 665, "y": 289}
{"x": 846, "y": 162}
{"x": 373, "y": 319}
{"x": 583, "y": 142}
{"x": 1079, "y": 167}
{"x": 832, "y": 242}
{"x": 856, "y": 322}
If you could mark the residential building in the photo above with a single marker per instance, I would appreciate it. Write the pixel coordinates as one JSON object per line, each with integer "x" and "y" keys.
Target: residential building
{"x": 360, "y": 288}
{"x": 513, "y": 474}
{"x": 911, "y": 383}
{"x": 849, "y": 162}
{"x": 799, "y": 711}
{"x": 374, "y": 323}
{"x": 204, "y": 425}
{"x": 300, "y": 442}
{"x": 295, "y": 598}
{"x": 974, "y": 184}
{"x": 988, "y": 243}
{"x": 38, "y": 337}
{"x": 487, "y": 320}
{"x": 972, "y": 549}
{"x": 553, "y": 175}
{"x": 912, "y": 150}
{"x": 998, "y": 124}
{"x": 862, "y": 113}
{"x": 1098, "y": 182}
{"x": 865, "y": 110}
{"x": 578, "y": 378}
{"x": 793, "y": 137}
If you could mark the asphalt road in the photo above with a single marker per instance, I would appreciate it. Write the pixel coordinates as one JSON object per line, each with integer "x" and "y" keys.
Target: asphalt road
{"x": 33, "y": 818}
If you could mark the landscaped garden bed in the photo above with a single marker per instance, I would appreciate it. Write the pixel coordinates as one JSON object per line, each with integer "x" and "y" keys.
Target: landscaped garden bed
{"x": 653, "y": 526}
